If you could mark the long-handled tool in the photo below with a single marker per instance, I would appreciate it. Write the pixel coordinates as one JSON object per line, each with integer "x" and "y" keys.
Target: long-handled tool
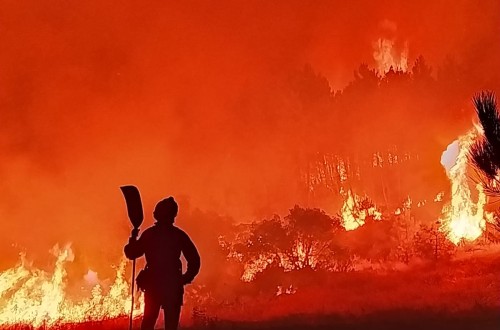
{"x": 136, "y": 216}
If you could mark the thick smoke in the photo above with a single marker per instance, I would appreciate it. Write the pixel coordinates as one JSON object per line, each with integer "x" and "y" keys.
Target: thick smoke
{"x": 191, "y": 99}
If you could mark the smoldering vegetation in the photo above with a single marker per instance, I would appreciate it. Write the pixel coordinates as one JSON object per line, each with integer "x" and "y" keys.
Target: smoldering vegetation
{"x": 386, "y": 271}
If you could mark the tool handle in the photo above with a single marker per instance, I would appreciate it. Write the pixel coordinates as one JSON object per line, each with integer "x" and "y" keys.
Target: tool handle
{"x": 132, "y": 300}
{"x": 134, "y": 234}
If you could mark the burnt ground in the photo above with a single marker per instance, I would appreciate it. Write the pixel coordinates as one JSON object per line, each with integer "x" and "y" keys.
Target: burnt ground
{"x": 479, "y": 319}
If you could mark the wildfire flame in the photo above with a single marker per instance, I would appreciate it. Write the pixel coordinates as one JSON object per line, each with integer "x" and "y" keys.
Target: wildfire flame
{"x": 353, "y": 216}
{"x": 387, "y": 58}
{"x": 256, "y": 266}
{"x": 462, "y": 219}
{"x": 31, "y": 296}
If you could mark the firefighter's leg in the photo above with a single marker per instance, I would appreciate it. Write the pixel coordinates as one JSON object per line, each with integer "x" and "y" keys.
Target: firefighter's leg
{"x": 151, "y": 310}
{"x": 172, "y": 315}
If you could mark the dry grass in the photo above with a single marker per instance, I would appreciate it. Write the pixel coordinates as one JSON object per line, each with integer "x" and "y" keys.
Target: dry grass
{"x": 465, "y": 292}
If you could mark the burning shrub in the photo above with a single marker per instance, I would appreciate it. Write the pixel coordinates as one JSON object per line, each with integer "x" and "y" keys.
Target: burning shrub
{"x": 311, "y": 232}
{"x": 302, "y": 240}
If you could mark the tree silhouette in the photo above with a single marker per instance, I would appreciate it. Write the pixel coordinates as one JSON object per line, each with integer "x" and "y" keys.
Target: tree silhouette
{"x": 311, "y": 231}
{"x": 268, "y": 237}
{"x": 430, "y": 243}
{"x": 304, "y": 239}
{"x": 485, "y": 153}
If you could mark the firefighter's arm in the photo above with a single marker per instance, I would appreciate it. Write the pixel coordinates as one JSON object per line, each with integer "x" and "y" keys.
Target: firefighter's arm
{"x": 193, "y": 260}
{"x": 135, "y": 247}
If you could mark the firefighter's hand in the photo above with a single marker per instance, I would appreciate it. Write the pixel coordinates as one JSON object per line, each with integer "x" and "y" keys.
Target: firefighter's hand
{"x": 133, "y": 236}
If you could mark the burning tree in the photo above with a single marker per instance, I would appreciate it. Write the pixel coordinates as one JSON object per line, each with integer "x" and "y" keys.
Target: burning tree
{"x": 462, "y": 218}
{"x": 311, "y": 232}
{"x": 357, "y": 211}
{"x": 304, "y": 239}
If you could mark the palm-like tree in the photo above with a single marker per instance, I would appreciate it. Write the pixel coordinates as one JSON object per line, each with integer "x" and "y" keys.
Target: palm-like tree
{"x": 485, "y": 153}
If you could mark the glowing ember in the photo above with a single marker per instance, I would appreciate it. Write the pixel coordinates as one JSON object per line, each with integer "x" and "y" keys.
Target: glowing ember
{"x": 439, "y": 197}
{"x": 284, "y": 290}
{"x": 407, "y": 203}
{"x": 33, "y": 297}
{"x": 421, "y": 203}
{"x": 462, "y": 218}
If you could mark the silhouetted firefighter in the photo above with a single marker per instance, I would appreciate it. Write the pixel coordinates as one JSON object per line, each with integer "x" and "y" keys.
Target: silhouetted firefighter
{"x": 162, "y": 279}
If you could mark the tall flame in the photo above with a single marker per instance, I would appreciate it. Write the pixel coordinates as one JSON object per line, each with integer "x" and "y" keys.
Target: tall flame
{"x": 353, "y": 216}
{"x": 462, "y": 219}
{"x": 387, "y": 57}
{"x": 33, "y": 297}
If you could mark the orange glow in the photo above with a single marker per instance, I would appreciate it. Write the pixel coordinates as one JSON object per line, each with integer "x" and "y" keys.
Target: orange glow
{"x": 353, "y": 215}
{"x": 240, "y": 110}
{"x": 462, "y": 219}
{"x": 387, "y": 56}
{"x": 31, "y": 296}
